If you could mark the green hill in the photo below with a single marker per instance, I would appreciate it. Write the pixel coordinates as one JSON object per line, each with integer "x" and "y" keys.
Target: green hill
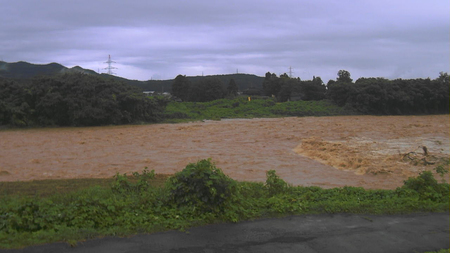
{"x": 24, "y": 70}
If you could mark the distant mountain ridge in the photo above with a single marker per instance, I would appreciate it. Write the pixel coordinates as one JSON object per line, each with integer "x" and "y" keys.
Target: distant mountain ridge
{"x": 24, "y": 70}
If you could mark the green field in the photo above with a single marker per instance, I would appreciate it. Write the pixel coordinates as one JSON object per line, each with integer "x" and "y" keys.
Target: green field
{"x": 257, "y": 107}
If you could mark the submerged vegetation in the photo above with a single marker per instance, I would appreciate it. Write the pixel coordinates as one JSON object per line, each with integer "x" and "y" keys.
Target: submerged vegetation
{"x": 200, "y": 194}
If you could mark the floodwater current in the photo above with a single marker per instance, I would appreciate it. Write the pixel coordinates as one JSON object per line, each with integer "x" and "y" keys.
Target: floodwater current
{"x": 362, "y": 151}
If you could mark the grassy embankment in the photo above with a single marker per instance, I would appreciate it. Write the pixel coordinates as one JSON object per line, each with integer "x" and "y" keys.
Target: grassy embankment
{"x": 258, "y": 107}
{"x": 73, "y": 210}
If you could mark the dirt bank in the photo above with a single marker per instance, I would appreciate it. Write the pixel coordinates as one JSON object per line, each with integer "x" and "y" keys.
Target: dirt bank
{"x": 367, "y": 151}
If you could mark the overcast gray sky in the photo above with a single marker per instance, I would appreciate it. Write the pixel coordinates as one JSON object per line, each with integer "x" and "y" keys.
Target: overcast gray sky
{"x": 159, "y": 39}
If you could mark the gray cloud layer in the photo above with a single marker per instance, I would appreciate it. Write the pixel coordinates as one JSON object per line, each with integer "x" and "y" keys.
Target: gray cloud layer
{"x": 160, "y": 39}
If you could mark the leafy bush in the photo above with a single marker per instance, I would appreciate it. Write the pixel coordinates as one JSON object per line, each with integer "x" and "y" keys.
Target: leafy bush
{"x": 198, "y": 195}
{"x": 123, "y": 185}
{"x": 202, "y": 186}
{"x": 442, "y": 169}
{"x": 24, "y": 217}
{"x": 274, "y": 184}
{"x": 427, "y": 187}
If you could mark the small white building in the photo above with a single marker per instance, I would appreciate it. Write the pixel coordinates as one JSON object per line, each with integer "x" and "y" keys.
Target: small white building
{"x": 149, "y": 92}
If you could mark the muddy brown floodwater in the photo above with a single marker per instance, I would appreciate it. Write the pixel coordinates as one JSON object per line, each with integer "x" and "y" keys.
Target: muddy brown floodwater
{"x": 366, "y": 151}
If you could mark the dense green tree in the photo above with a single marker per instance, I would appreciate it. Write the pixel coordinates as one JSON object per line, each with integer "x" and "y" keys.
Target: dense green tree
{"x": 440, "y": 88}
{"x": 75, "y": 100}
{"x": 344, "y": 76}
{"x": 180, "y": 87}
{"x": 339, "y": 92}
{"x": 284, "y": 76}
{"x": 371, "y": 97}
{"x": 280, "y": 87}
{"x": 285, "y": 91}
{"x": 284, "y": 87}
{"x": 289, "y": 86}
{"x": 207, "y": 89}
{"x": 232, "y": 88}
{"x": 271, "y": 84}
{"x": 318, "y": 81}
{"x": 314, "y": 89}
{"x": 443, "y": 78}
{"x": 400, "y": 96}
{"x": 14, "y": 109}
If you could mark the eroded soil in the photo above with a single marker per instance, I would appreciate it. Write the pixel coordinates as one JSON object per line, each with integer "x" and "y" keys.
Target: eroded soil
{"x": 366, "y": 151}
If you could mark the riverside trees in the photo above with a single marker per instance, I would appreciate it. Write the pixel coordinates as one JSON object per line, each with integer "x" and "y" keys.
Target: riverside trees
{"x": 284, "y": 87}
{"x": 207, "y": 89}
{"x": 378, "y": 96}
{"x": 381, "y": 96}
{"x": 75, "y": 100}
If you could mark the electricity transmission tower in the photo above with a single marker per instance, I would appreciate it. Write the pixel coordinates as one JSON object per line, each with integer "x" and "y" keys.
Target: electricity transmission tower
{"x": 110, "y": 67}
{"x": 290, "y": 72}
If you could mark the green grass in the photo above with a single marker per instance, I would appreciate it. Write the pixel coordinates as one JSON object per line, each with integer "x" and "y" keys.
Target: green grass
{"x": 45, "y": 188}
{"x": 240, "y": 107}
{"x": 76, "y": 210}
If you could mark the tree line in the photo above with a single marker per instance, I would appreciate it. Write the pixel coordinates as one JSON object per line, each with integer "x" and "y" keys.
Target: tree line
{"x": 377, "y": 96}
{"x": 207, "y": 89}
{"x": 75, "y": 99}
{"x": 285, "y": 88}
{"x": 381, "y": 96}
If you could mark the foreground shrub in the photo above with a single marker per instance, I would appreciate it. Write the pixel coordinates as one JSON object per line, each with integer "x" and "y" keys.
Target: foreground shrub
{"x": 200, "y": 194}
{"x": 201, "y": 186}
{"x": 274, "y": 184}
{"x": 426, "y": 186}
{"x": 123, "y": 185}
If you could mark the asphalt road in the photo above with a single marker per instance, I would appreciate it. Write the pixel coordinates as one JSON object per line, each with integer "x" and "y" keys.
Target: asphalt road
{"x": 309, "y": 233}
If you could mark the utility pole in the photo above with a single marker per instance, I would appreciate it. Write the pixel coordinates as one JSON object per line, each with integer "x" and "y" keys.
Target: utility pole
{"x": 110, "y": 67}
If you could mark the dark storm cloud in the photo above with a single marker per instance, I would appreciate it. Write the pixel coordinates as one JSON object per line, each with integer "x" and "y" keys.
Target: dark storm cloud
{"x": 161, "y": 39}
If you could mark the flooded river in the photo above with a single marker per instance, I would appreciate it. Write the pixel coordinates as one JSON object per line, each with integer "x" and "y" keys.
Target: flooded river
{"x": 366, "y": 151}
